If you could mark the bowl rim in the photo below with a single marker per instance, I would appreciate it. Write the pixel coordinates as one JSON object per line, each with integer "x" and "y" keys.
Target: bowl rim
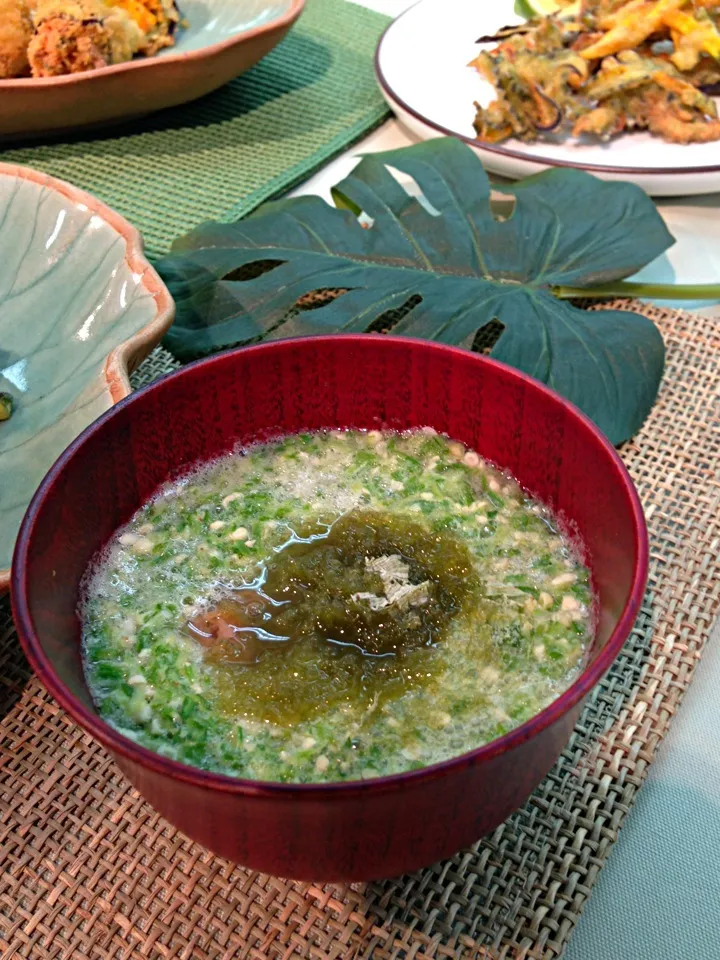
{"x": 128, "y": 749}
{"x": 143, "y": 63}
{"x": 118, "y": 363}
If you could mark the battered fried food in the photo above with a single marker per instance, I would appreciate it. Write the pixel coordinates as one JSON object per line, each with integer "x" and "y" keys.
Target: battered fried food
{"x": 606, "y": 67}
{"x": 692, "y": 37}
{"x": 632, "y": 28}
{"x": 54, "y": 37}
{"x": 76, "y": 35}
{"x": 667, "y": 118}
{"x": 706, "y": 75}
{"x": 15, "y": 32}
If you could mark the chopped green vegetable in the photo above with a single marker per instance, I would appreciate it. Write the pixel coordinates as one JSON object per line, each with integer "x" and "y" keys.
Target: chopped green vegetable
{"x": 334, "y": 606}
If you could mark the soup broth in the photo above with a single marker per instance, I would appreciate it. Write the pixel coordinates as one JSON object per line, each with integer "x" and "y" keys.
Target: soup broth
{"x": 333, "y": 606}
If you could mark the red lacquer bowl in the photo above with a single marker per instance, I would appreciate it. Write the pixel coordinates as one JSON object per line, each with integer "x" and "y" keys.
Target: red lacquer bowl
{"x": 347, "y": 831}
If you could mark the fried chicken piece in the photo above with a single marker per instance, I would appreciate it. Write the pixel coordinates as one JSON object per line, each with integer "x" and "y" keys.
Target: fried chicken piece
{"x": 63, "y": 46}
{"x": 15, "y": 33}
{"x": 72, "y": 36}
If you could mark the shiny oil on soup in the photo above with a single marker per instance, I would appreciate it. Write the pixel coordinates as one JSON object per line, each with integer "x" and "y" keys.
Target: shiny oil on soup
{"x": 334, "y": 606}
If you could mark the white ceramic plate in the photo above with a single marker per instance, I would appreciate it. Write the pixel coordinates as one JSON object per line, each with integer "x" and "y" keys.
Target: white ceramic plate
{"x": 421, "y": 66}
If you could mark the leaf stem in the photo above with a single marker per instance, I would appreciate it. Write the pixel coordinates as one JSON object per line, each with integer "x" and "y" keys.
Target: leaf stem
{"x": 652, "y": 291}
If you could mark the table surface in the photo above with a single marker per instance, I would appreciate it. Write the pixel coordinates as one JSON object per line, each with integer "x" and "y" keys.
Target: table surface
{"x": 658, "y": 894}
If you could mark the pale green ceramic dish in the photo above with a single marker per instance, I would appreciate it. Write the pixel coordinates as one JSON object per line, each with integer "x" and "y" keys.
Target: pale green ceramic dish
{"x": 80, "y": 307}
{"x": 222, "y": 39}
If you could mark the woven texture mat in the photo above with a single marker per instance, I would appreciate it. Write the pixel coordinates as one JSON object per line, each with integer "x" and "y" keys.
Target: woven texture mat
{"x": 257, "y": 137}
{"x": 88, "y": 870}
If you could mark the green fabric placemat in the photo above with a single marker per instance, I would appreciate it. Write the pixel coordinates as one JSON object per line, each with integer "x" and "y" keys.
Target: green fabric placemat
{"x": 222, "y": 156}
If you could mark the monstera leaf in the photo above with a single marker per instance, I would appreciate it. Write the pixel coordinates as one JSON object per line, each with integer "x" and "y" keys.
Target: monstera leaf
{"x": 441, "y": 266}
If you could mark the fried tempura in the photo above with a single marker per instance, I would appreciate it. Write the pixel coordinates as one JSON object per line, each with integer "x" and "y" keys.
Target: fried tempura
{"x": 648, "y": 65}
{"x": 667, "y": 118}
{"x": 632, "y": 28}
{"x": 15, "y": 32}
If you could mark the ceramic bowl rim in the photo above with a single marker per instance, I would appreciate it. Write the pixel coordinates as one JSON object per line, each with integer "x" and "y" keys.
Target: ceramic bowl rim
{"x": 175, "y": 770}
{"x": 88, "y": 77}
{"x": 117, "y": 364}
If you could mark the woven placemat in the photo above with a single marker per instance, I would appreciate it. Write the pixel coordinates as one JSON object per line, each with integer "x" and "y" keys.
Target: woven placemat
{"x": 88, "y": 870}
{"x": 257, "y": 137}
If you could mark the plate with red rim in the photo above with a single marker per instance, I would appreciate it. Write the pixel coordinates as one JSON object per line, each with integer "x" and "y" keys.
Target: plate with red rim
{"x": 422, "y": 68}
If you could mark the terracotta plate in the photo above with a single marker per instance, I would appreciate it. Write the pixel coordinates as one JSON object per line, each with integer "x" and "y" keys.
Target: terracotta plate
{"x": 223, "y": 39}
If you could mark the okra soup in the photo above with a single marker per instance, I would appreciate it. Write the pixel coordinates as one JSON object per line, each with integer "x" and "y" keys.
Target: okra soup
{"x": 334, "y": 606}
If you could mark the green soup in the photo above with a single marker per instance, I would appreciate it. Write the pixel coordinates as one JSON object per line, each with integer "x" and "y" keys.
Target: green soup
{"x": 334, "y": 606}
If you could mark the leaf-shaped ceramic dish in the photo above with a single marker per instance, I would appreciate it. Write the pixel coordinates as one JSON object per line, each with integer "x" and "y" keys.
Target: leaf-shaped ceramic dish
{"x": 222, "y": 39}
{"x": 80, "y": 307}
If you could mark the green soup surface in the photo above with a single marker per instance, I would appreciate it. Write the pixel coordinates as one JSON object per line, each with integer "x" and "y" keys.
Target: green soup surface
{"x": 334, "y": 606}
